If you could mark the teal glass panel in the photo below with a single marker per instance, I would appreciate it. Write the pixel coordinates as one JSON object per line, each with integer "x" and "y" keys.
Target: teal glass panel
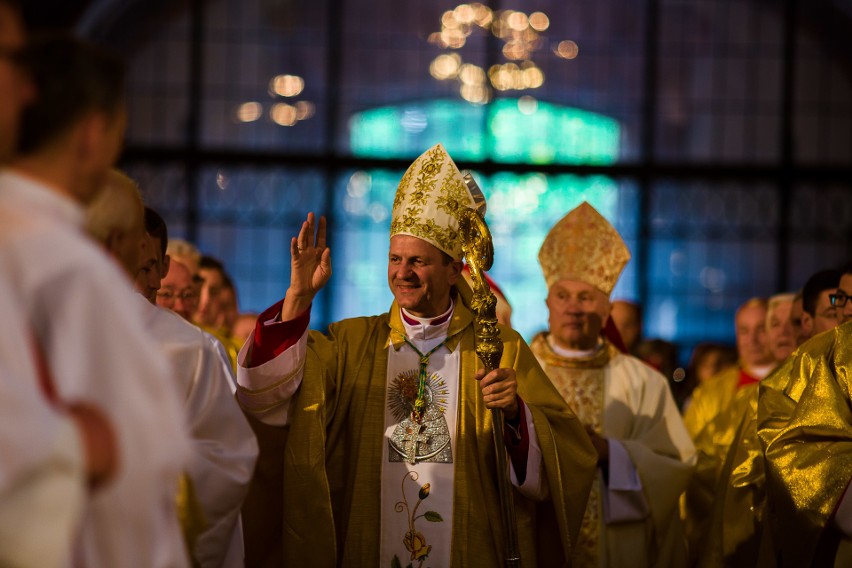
{"x": 519, "y": 130}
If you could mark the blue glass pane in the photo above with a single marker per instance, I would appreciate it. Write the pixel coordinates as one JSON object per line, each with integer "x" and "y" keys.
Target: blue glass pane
{"x": 247, "y": 218}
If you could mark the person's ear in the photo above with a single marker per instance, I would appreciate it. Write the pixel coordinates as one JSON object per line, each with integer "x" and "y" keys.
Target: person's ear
{"x": 91, "y": 132}
{"x": 113, "y": 241}
{"x": 807, "y": 324}
{"x": 455, "y": 270}
{"x": 167, "y": 263}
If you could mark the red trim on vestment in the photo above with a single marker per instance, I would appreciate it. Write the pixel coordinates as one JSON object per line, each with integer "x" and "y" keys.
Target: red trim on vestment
{"x": 270, "y": 340}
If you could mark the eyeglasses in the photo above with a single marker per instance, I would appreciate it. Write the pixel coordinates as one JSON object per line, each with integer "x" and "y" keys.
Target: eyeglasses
{"x": 838, "y": 299}
{"x": 185, "y": 296}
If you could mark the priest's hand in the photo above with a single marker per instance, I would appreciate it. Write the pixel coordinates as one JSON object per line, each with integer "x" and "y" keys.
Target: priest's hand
{"x": 499, "y": 390}
{"x": 310, "y": 267}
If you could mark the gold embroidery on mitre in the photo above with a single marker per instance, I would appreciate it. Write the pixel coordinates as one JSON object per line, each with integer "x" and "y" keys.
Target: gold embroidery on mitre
{"x": 429, "y": 199}
{"x": 583, "y": 246}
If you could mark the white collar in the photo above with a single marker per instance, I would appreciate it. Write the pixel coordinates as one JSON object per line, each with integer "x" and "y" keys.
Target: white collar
{"x": 759, "y": 372}
{"x": 424, "y": 330}
{"x": 572, "y": 353}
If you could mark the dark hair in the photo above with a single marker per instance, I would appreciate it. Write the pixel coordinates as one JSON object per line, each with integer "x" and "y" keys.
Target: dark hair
{"x": 214, "y": 263}
{"x": 816, "y": 284}
{"x": 846, "y": 268}
{"x": 211, "y": 262}
{"x": 72, "y": 78}
{"x": 155, "y": 226}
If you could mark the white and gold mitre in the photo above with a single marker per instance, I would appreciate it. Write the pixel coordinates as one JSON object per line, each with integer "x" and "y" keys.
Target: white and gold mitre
{"x": 583, "y": 246}
{"x": 429, "y": 199}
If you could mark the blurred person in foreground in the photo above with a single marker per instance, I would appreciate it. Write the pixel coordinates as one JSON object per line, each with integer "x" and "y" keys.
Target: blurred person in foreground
{"x": 80, "y": 306}
{"x": 52, "y": 451}
{"x": 645, "y": 455}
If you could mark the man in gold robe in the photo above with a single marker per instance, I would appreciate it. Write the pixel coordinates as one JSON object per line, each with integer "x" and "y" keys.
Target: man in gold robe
{"x": 389, "y": 459}
{"x": 755, "y": 362}
{"x": 645, "y": 455}
{"x": 725, "y": 501}
{"x": 712, "y": 436}
{"x": 805, "y": 428}
{"x": 738, "y": 533}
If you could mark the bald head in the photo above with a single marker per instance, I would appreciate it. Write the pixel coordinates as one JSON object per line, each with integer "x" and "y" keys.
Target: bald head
{"x": 116, "y": 219}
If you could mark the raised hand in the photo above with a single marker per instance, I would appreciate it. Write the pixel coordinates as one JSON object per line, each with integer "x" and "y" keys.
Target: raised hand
{"x": 310, "y": 267}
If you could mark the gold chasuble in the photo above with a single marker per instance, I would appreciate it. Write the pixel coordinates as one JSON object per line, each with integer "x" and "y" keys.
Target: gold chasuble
{"x": 731, "y": 537}
{"x": 332, "y": 462}
{"x": 711, "y": 398}
{"x": 805, "y": 424}
{"x": 624, "y": 399}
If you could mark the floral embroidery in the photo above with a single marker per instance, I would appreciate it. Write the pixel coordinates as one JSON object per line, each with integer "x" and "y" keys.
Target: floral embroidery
{"x": 414, "y": 541}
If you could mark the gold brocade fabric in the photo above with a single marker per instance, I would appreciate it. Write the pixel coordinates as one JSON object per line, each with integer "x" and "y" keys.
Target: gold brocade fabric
{"x": 809, "y": 455}
{"x": 429, "y": 199}
{"x": 190, "y": 515}
{"x": 331, "y": 467}
{"x": 738, "y": 500}
{"x": 713, "y": 426}
{"x": 232, "y": 348}
{"x": 581, "y": 384}
{"x": 711, "y": 398}
{"x": 583, "y": 246}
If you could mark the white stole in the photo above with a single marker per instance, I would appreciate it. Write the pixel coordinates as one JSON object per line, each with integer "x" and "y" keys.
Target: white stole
{"x": 417, "y": 520}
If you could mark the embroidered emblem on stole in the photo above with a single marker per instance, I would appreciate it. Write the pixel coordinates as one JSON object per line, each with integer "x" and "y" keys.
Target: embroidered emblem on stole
{"x": 426, "y": 440}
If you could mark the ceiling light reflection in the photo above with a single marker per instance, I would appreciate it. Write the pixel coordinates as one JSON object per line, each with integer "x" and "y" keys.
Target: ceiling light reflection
{"x": 567, "y": 49}
{"x": 286, "y": 85}
{"x": 249, "y": 112}
{"x": 283, "y": 114}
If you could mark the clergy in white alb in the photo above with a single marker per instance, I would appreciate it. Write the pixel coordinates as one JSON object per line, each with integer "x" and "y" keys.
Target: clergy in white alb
{"x": 224, "y": 446}
{"x": 645, "y": 455}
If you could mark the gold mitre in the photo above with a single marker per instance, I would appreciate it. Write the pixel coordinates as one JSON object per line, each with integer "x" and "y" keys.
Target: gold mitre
{"x": 583, "y": 246}
{"x": 429, "y": 199}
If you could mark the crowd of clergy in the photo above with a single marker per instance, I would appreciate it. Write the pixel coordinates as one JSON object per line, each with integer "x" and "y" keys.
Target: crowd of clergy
{"x": 147, "y": 422}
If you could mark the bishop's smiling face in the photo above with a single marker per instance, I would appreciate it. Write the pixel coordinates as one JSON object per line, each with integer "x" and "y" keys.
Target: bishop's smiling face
{"x": 420, "y": 276}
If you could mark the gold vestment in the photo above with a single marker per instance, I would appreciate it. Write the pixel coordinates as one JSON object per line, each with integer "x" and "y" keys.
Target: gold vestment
{"x": 332, "y": 457}
{"x": 805, "y": 424}
{"x": 624, "y": 399}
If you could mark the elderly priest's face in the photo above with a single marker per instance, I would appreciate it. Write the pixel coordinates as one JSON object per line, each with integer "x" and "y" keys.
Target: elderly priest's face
{"x": 420, "y": 276}
{"x": 577, "y": 314}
